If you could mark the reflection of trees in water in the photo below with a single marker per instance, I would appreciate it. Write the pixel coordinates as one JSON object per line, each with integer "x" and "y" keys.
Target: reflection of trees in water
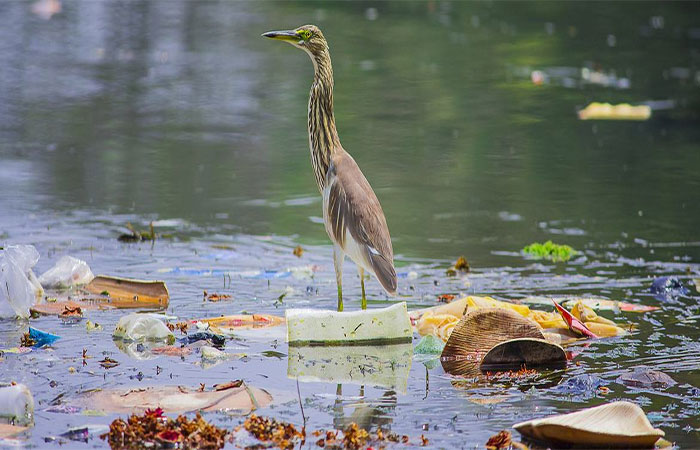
{"x": 141, "y": 103}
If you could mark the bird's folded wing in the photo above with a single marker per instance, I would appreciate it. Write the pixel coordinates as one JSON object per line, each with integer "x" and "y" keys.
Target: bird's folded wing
{"x": 353, "y": 206}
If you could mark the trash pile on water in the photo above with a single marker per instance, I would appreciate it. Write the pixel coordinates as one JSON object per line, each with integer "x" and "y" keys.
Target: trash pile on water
{"x": 475, "y": 338}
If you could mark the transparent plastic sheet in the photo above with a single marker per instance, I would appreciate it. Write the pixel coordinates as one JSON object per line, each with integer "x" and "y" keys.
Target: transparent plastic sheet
{"x": 19, "y": 288}
{"x": 17, "y": 404}
{"x": 143, "y": 327}
{"x": 67, "y": 272}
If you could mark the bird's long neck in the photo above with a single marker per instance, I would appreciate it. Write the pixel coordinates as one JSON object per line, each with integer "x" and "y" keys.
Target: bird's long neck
{"x": 323, "y": 136}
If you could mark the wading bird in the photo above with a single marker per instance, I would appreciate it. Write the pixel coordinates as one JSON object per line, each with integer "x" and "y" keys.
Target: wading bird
{"x": 352, "y": 214}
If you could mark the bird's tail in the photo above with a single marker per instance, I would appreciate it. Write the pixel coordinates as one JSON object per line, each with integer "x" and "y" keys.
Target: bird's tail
{"x": 384, "y": 271}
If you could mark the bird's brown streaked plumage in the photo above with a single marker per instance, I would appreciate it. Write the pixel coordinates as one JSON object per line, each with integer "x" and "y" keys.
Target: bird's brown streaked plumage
{"x": 352, "y": 214}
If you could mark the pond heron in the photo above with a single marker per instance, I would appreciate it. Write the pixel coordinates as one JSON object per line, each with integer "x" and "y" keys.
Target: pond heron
{"x": 352, "y": 214}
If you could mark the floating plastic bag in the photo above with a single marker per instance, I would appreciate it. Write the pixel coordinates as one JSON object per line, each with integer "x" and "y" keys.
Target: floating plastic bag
{"x": 17, "y": 404}
{"x": 18, "y": 286}
{"x": 143, "y": 327}
{"x": 67, "y": 272}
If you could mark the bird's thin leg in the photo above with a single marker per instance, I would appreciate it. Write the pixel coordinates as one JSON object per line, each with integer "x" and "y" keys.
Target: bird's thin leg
{"x": 338, "y": 258}
{"x": 362, "y": 283}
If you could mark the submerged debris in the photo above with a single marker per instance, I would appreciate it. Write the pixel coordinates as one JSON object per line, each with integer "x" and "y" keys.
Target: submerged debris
{"x": 668, "y": 287}
{"x": 137, "y": 236}
{"x": 549, "y": 250}
{"x": 644, "y": 377}
{"x": 153, "y": 428}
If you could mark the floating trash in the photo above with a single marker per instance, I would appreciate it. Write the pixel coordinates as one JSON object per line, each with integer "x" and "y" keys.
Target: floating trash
{"x": 17, "y": 404}
{"x": 384, "y": 326}
{"x": 668, "y": 287}
{"x": 20, "y": 288}
{"x": 153, "y": 429}
{"x": 646, "y": 378}
{"x": 606, "y": 111}
{"x": 216, "y": 339}
{"x": 524, "y": 352}
{"x": 618, "y": 424}
{"x": 67, "y": 272}
{"x": 130, "y": 293}
{"x": 429, "y": 345}
{"x": 140, "y": 327}
{"x": 601, "y": 304}
{"x": 478, "y": 332}
{"x": 239, "y": 398}
{"x": 573, "y": 322}
{"x": 41, "y": 338}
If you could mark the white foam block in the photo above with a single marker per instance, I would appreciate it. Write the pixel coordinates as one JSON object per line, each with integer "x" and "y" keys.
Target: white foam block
{"x": 325, "y": 327}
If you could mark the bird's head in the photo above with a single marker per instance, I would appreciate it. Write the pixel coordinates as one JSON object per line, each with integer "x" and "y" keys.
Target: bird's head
{"x": 307, "y": 37}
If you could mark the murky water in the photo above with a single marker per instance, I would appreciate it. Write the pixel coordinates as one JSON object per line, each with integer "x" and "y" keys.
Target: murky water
{"x": 179, "y": 112}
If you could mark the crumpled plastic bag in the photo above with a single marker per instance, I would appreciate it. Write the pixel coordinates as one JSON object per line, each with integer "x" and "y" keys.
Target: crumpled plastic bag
{"x": 17, "y": 404}
{"x": 19, "y": 288}
{"x": 67, "y": 272}
{"x": 143, "y": 327}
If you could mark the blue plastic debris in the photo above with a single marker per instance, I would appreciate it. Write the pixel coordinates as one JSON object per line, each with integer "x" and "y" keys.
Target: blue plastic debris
{"x": 42, "y": 337}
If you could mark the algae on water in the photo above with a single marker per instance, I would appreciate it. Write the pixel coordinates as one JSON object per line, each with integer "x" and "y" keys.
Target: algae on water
{"x": 549, "y": 250}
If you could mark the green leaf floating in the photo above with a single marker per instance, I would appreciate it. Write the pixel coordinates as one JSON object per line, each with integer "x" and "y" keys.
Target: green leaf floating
{"x": 549, "y": 250}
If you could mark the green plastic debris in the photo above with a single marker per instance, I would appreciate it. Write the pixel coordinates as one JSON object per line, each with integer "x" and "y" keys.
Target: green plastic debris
{"x": 549, "y": 250}
{"x": 429, "y": 345}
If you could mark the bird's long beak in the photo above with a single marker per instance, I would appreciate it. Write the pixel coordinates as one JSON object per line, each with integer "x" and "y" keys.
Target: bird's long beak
{"x": 286, "y": 35}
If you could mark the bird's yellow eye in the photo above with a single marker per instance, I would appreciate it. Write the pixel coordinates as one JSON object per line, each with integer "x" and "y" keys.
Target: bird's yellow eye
{"x": 305, "y": 34}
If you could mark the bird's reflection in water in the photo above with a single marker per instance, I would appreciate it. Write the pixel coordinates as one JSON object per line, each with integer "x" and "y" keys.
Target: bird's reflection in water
{"x": 368, "y": 414}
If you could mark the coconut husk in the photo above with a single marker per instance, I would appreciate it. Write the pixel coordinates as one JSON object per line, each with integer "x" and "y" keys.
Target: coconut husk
{"x": 618, "y": 424}
{"x": 527, "y": 352}
{"x": 478, "y": 332}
